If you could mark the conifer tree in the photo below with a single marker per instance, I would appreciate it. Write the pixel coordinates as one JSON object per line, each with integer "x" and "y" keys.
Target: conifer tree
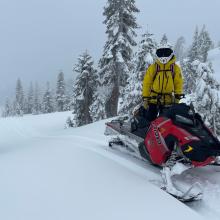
{"x": 146, "y": 53}
{"x": 69, "y": 94}
{"x": 189, "y": 72}
{"x": 60, "y": 93}
{"x": 193, "y": 53}
{"x": 47, "y": 104}
{"x": 179, "y": 49}
{"x": 115, "y": 63}
{"x": 97, "y": 108}
{"x": 19, "y": 99}
{"x": 206, "y": 95}
{"x": 83, "y": 90}
{"x": 7, "y": 109}
{"x": 25, "y": 108}
{"x": 164, "y": 39}
{"x": 190, "y": 76}
{"x": 205, "y": 43}
{"x": 37, "y": 105}
{"x": 30, "y": 99}
{"x": 198, "y": 52}
{"x": 143, "y": 58}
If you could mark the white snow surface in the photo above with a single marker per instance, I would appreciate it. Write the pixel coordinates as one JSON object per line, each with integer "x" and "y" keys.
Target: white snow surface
{"x": 51, "y": 173}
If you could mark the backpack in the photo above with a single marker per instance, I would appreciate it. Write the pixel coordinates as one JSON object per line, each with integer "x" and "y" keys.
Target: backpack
{"x": 157, "y": 67}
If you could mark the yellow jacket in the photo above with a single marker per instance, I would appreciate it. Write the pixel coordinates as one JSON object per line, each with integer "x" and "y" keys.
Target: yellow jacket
{"x": 165, "y": 82}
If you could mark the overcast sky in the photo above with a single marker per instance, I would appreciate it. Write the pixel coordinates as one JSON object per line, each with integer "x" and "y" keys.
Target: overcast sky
{"x": 38, "y": 38}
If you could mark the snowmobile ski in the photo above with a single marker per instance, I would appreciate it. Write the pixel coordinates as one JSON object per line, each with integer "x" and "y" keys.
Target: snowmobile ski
{"x": 187, "y": 197}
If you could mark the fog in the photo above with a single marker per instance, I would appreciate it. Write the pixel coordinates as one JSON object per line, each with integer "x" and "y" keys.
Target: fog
{"x": 40, "y": 38}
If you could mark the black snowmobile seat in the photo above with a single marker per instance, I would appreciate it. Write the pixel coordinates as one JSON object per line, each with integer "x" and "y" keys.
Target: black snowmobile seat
{"x": 178, "y": 109}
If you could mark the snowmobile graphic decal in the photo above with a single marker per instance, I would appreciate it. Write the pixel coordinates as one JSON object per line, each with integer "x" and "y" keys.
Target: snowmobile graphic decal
{"x": 156, "y": 133}
{"x": 188, "y": 150}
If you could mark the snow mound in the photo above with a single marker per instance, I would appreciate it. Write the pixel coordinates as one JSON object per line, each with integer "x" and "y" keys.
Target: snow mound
{"x": 48, "y": 172}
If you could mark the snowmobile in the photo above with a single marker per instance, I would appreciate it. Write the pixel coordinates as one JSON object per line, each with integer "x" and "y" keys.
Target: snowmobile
{"x": 175, "y": 141}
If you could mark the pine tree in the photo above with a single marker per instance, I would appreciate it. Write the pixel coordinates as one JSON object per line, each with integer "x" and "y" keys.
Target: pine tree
{"x": 179, "y": 49}
{"x": 69, "y": 123}
{"x": 47, "y": 104}
{"x": 97, "y": 109}
{"x": 115, "y": 62}
{"x": 193, "y": 53}
{"x": 25, "y": 108}
{"x": 7, "y": 109}
{"x": 84, "y": 88}
{"x": 146, "y": 53}
{"x": 189, "y": 75}
{"x": 143, "y": 58}
{"x": 30, "y": 99}
{"x": 189, "y": 72}
{"x": 206, "y": 95}
{"x": 198, "y": 52}
{"x": 36, "y": 106}
{"x": 69, "y": 94}
{"x": 164, "y": 39}
{"x": 205, "y": 43}
{"x": 60, "y": 93}
{"x": 19, "y": 99}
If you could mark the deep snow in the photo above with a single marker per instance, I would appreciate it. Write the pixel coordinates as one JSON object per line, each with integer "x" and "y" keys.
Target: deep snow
{"x": 48, "y": 172}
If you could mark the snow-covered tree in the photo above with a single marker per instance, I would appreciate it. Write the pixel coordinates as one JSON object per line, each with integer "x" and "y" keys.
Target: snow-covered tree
{"x": 30, "y": 99}
{"x": 193, "y": 53}
{"x": 145, "y": 54}
{"x": 83, "y": 90}
{"x": 19, "y": 99}
{"x": 164, "y": 39}
{"x": 69, "y": 94}
{"x": 69, "y": 123}
{"x": 47, "y": 104}
{"x": 60, "y": 93}
{"x": 37, "y": 105}
{"x": 179, "y": 48}
{"x": 25, "y": 108}
{"x": 115, "y": 63}
{"x": 206, "y": 95}
{"x": 189, "y": 73}
{"x": 97, "y": 109}
{"x": 198, "y": 52}
{"x": 143, "y": 58}
{"x": 204, "y": 44}
{"x": 7, "y": 109}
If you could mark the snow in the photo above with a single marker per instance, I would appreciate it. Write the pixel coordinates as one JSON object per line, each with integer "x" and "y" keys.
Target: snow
{"x": 48, "y": 172}
{"x": 214, "y": 57}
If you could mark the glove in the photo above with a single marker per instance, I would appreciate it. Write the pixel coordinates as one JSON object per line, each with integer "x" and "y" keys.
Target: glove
{"x": 178, "y": 97}
{"x": 177, "y": 101}
{"x": 145, "y": 103}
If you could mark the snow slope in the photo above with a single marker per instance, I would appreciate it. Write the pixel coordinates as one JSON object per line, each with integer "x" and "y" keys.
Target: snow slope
{"x": 48, "y": 172}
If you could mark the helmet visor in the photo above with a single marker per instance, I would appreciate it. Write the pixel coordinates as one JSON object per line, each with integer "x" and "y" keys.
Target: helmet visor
{"x": 164, "y": 52}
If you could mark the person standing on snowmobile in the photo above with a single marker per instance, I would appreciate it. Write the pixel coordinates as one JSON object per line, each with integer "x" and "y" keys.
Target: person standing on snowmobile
{"x": 163, "y": 82}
